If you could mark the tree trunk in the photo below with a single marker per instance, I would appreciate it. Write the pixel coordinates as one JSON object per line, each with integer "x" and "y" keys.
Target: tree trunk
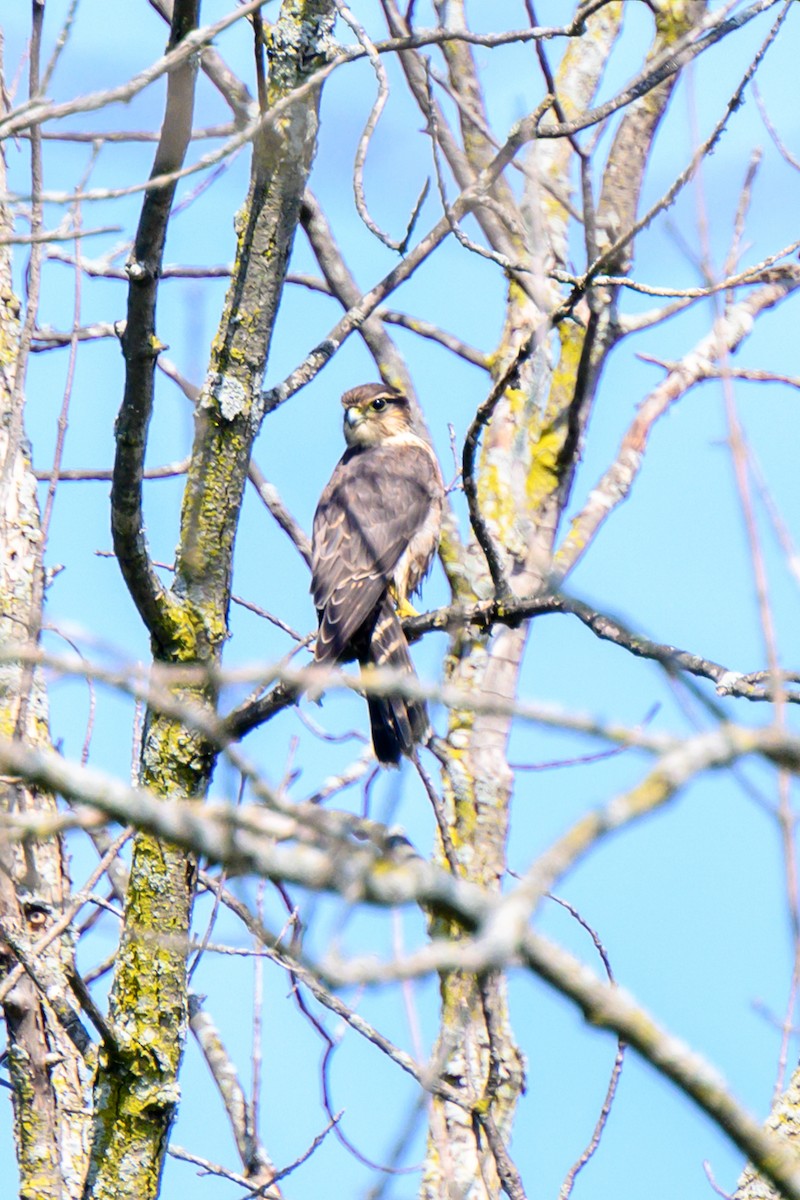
{"x": 50, "y": 1056}
{"x": 137, "y": 1087}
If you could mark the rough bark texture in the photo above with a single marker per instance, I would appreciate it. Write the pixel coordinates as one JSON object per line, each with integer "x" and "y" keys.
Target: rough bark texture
{"x": 137, "y": 1090}
{"x": 527, "y": 463}
{"x": 783, "y": 1119}
{"x": 95, "y": 1123}
{"x": 49, "y": 1056}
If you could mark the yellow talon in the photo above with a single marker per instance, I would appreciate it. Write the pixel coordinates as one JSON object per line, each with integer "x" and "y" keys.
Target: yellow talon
{"x": 403, "y": 608}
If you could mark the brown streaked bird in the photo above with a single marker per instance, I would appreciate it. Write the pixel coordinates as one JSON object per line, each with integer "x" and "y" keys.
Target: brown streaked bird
{"x": 376, "y": 529}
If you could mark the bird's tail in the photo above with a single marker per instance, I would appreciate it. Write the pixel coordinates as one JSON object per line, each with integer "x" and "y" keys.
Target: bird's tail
{"x": 398, "y": 724}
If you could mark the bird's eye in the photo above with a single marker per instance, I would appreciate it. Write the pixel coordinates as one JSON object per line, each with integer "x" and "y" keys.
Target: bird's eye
{"x": 378, "y": 405}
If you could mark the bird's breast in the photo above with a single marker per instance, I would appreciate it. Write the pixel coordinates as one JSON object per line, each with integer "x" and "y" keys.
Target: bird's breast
{"x": 415, "y": 561}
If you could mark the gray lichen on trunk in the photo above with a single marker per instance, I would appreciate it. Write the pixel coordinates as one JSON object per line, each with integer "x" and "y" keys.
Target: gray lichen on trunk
{"x": 50, "y": 1059}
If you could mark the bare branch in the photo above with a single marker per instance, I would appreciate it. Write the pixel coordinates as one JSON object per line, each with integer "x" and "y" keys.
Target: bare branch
{"x": 607, "y": 1007}
{"x": 615, "y": 485}
{"x": 341, "y": 284}
{"x": 230, "y": 87}
{"x": 105, "y": 475}
{"x": 101, "y": 269}
{"x": 123, "y": 136}
{"x": 268, "y": 494}
{"x": 587, "y": 1154}
{"x": 413, "y": 879}
{"x": 37, "y": 110}
{"x": 140, "y": 348}
{"x": 758, "y": 273}
{"x": 610, "y": 255}
{"x": 773, "y": 133}
{"x": 427, "y": 330}
{"x": 255, "y": 1160}
{"x": 54, "y": 235}
{"x": 367, "y": 134}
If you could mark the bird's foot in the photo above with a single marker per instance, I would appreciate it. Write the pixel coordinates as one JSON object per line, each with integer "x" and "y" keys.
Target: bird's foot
{"x": 402, "y": 606}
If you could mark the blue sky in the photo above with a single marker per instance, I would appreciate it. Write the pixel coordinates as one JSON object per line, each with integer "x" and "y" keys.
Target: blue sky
{"x": 691, "y": 904}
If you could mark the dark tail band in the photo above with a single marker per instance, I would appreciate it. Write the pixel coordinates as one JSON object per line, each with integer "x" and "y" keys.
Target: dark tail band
{"x": 398, "y": 724}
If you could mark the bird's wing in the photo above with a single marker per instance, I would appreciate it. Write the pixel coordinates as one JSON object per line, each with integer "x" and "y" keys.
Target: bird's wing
{"x": 374, "y": 503}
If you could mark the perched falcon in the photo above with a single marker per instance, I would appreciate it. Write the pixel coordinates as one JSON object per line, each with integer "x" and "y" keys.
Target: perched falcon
{"x": 376, "y": 529}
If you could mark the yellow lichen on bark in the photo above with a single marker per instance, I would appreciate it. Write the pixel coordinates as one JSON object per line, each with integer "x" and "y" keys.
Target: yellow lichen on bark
{"x": 137, "y": 1088}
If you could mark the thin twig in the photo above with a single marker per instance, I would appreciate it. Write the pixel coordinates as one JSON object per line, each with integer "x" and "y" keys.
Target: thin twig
{"x": 55, "y": 235}
{"x": 366, "y": 137}
{"x": 439, "y": 813}
{"x": 611, "y": 1091}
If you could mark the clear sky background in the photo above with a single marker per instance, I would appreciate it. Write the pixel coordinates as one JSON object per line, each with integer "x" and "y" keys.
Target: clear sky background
{"x": 690, "y": 905}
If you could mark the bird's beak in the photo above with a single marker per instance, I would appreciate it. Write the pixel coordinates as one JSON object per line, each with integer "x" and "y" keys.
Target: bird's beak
{"x": 352, "y": 416}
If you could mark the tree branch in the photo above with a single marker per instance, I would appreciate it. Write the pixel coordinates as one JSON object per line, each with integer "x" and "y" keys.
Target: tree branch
{"x": 140, "y": 347}
{"x": 388, "y": 880}
{"x": 615, "y": 485}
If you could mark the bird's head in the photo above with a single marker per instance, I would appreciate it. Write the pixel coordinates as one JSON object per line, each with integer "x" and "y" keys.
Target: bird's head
{"x": 373, "y": 413}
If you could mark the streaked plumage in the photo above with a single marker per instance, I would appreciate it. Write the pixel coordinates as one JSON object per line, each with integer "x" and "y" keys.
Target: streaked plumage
{"x": 376, "y": 526}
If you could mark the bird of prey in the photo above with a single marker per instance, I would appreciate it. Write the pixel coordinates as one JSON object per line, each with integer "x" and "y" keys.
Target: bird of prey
{"x": 376, "y": 529}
